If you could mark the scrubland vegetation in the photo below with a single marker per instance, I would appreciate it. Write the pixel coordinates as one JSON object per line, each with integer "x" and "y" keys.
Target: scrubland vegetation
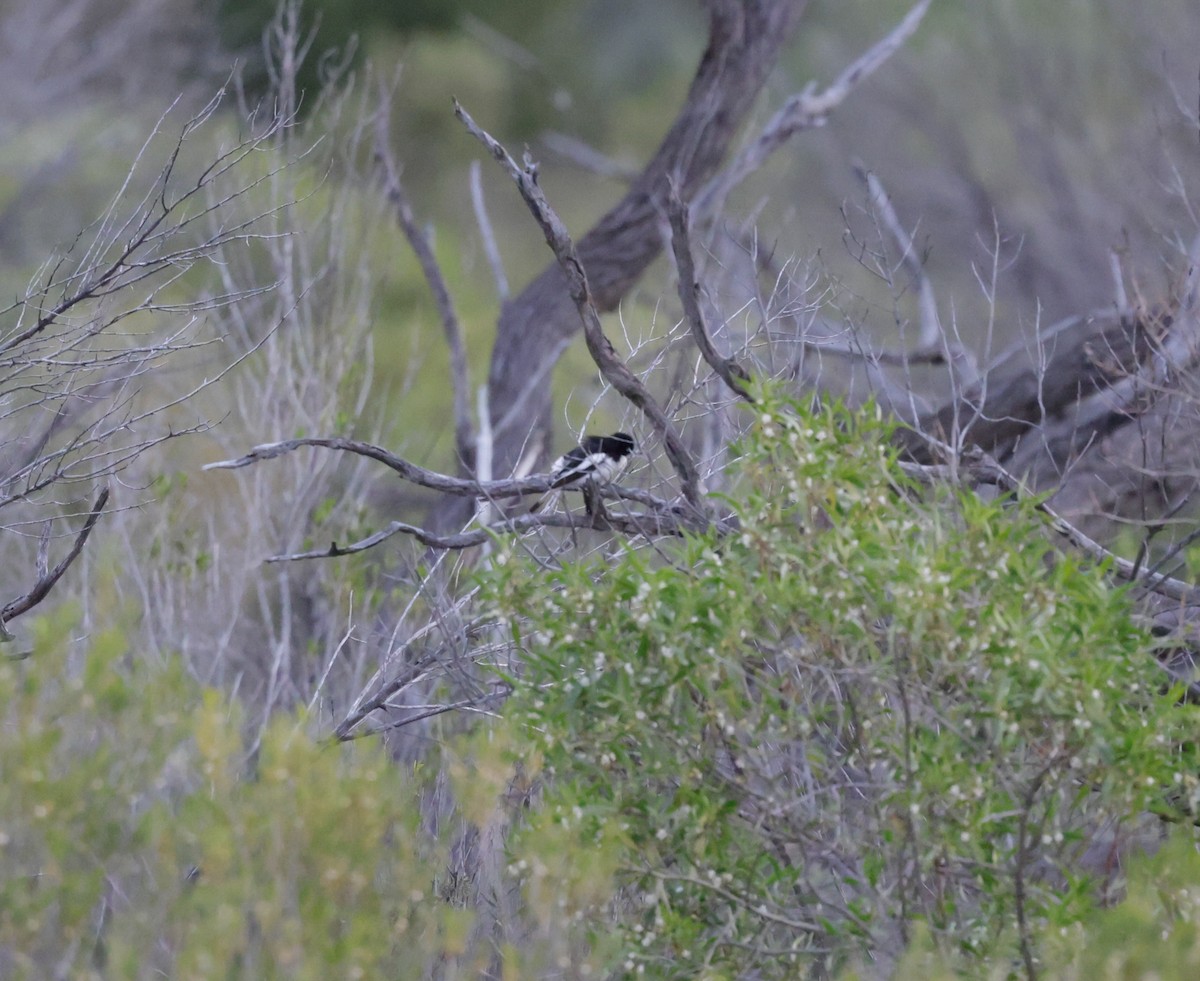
{"x": 879, "y": 661}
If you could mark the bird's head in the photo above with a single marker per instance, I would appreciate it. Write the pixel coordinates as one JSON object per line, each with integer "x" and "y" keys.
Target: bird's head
{"x": 621, "y": 444}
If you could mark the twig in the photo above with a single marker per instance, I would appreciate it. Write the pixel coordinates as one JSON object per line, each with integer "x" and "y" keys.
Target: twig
{"x": 931, "y": 326}
{"x": 1176, "y": 549}
{"x": 486, "y": 232}
{"x": 1114, "y": 267}
{"x": 1191, "y": 280}
{"x": 588, "y": 157}
{"x": 414, "y": 673}
{"x": 732, "y": 373}
{"x": 500, "y": 691}
{"x": 483, "y": 452}
{"x": 46, "y": 580}
{"x": 378, "y": 692}
{"x": 613, "y": 369}
{"x": 1019, "y": 873}
{"x": 464, "y": 431}
{"x": 756, "y": 907}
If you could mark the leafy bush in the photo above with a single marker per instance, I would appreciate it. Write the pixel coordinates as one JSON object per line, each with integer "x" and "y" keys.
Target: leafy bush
{"x": 140, "y": 836}
{"x": 877, "y": 709}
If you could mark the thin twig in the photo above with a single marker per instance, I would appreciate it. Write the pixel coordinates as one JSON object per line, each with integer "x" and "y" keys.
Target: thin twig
{"x": 410, "y": 676}
{"x": 1190, "y": 288}
{"x": 756, "y": 906}
{"x": 932, "y": 344}
{"x": 464, "y": 430}
{"x": 931, "y": 326}
{"x": 472, "y": 703}
{"x": 486, "y": 233}
{"x": 588, "y": 158}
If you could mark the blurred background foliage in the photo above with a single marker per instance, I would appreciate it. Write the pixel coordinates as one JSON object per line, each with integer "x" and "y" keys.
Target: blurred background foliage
{"x": 1014, "y": 135}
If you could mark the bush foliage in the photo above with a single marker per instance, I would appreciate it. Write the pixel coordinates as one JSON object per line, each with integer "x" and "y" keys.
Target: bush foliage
{"x": 877, "y": 706}
{"x": 142, "y": 836}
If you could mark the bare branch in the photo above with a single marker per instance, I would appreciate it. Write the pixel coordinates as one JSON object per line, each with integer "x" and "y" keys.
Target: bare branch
{"x": 486, "y": 233}
{"x": 933, "y": 347}
{"x": 46, "y": 580}
{"x": 410, "y": 676}
{"x": 930, "y": 337}
{"x": 473, "y": 703}
{"x": 665, "y": 518}
{"x": 655, "y": 524}
{"x": 411, "y": 472}
{"x": 587, "y": 157}
{"x": 614, "y": 370}
{"x": 464, "y": 431}
{"x": 1114, "y": 267}
{"x": 1191, "y": 280}
{"x": 988, "y": 470}
{"x": 732, "y": 373}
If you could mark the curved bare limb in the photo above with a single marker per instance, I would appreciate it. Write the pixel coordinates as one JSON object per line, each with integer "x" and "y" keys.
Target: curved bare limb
{"x": 48, "y": 577}
{"x": 730, "y": 372}
{"x": 457, "y": 486}
{"x": 807, "y": 109}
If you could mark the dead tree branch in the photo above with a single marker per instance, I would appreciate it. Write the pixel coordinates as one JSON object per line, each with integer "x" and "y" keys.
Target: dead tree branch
{"x": 647, "y": 525}
{"x": 662, "y": 519}
{"x": 487, "y": 234}
{"x": 464, "y": 432}
{"x": 730, "y": 372}
{"x": 85, "y": 351}
{"x": 987, "y": 470}
{"x": 445, "y": 484}
{"x": 48, "y": 577}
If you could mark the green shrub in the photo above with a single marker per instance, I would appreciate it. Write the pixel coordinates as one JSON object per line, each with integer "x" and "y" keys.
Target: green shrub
{"x": 141, "y": 837}
{"x": 878, "y": 709}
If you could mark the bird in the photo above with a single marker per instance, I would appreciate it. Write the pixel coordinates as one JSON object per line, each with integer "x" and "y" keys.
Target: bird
{"x": 596, "y": 461}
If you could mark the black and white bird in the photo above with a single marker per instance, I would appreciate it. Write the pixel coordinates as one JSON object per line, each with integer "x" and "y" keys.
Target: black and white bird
{"x": 596, "y": 461}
